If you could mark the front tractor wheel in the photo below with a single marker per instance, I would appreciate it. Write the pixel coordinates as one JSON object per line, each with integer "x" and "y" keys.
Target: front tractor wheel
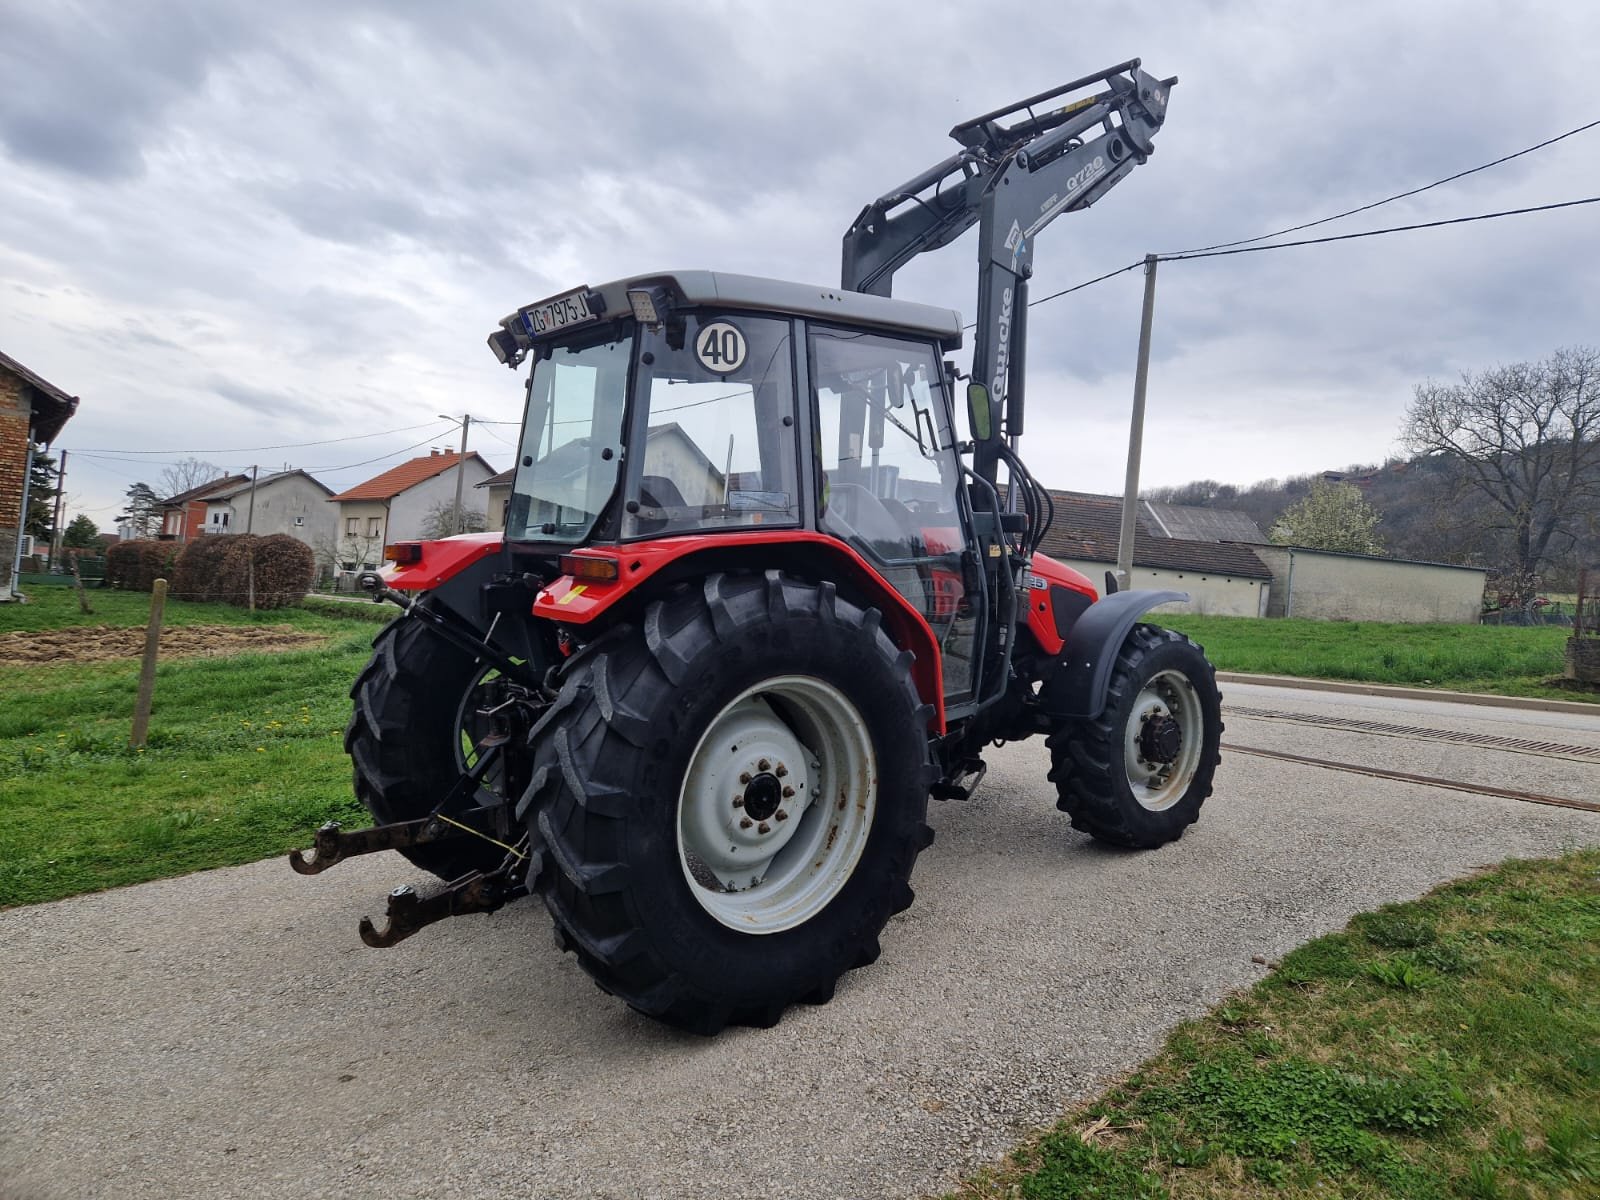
{"x": 1137, "y": 774}
{"x": 729, "y": 799}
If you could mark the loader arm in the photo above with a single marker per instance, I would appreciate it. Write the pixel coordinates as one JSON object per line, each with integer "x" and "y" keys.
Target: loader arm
{"x": 1012, "y": 181}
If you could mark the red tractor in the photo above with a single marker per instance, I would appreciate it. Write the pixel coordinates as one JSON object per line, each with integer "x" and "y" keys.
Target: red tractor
{"x": 757, "y": 600}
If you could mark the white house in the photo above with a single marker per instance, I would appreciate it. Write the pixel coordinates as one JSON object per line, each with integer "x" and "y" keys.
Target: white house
{"x": 398, "y": 504}
{"x": 290, "y": 502}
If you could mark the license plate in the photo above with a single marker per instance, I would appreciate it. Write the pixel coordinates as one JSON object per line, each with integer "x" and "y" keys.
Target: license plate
{"x": 559, "y": 313}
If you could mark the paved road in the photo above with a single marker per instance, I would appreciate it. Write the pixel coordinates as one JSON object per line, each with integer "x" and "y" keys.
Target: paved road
{"x": 226, "y": 1035}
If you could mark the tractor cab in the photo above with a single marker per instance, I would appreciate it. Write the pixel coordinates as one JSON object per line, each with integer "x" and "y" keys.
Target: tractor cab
{"x": 697, "y": 405}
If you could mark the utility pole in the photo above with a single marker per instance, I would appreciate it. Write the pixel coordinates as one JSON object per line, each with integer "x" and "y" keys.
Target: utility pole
{"x": 461, "y": 468}
{"x": 56, "y": 540}
{"x": 1130, "y": 486}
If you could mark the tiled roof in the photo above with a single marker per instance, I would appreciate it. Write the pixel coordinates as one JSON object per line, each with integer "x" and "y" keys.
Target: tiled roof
{"x": 407, "y": 475}
{"x": 499, "y": 480}
{"x": 52, "y": 406}
{"x": 205, "y": 489}
{"x": 1195, "y": 523}
{"x": 229, "y": 488}
{"x": 1087, "y": 528}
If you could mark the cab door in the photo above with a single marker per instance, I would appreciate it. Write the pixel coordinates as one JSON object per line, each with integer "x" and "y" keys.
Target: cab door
{"x": 889, "y": 482}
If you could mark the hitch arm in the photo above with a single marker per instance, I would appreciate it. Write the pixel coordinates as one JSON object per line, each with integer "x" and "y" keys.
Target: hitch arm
{"x": 409, "y": 912}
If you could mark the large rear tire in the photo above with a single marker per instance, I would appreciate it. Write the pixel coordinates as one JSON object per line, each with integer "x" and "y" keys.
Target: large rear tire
{"x": 728, "y": 800}
{"x": 412, "y": 734}
{"x": 1137, "y": 774}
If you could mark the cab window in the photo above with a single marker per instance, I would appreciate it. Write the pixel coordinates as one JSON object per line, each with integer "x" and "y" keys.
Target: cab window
{"x": 719, "y": 440}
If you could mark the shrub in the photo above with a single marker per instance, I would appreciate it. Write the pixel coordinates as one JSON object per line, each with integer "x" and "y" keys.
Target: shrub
{"x": 200, "y": 568}
{"x": 135, "y": 566}
{"x": 217, "y": 568}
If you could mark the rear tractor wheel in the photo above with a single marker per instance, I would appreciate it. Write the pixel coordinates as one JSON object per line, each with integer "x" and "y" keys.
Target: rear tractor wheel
{"x": 1137, "y": 774}
{"x": 414, "y": 731}
{"x": 729, "y": 802}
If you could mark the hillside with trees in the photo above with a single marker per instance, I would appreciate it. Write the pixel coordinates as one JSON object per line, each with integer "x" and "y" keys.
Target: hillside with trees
{"x": 1504, "y": 472}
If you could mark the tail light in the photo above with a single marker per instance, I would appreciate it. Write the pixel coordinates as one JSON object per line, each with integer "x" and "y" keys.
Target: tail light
{"x": 593, "y": 567}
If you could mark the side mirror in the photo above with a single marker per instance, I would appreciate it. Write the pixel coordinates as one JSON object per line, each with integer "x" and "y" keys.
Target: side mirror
{"x": 980, "y": 412}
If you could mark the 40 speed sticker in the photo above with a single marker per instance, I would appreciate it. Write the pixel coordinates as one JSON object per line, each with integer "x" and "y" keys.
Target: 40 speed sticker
{"x": 721, "y": 347}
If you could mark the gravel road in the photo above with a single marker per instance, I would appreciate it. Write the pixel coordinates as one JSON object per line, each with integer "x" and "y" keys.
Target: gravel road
{"x": 226, "y": 1035}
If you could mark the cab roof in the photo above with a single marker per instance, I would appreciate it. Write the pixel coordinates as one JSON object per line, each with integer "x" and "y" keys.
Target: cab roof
{"x": 813, "y": 302}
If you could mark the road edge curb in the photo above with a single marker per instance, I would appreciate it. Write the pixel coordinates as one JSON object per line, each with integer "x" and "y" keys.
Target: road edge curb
{"x": 1481, "y": 699}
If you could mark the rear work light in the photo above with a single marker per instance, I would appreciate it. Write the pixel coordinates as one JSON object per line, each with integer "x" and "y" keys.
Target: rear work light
{"x": 403, "y": 554}
{"x": 592, "y": 567}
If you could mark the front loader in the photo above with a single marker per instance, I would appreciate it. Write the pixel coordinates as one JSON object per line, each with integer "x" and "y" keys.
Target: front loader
{"x": 757, "y": 600}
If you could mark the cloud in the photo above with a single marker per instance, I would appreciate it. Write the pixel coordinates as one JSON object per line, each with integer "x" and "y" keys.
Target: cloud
{"x": 241, "y": 224}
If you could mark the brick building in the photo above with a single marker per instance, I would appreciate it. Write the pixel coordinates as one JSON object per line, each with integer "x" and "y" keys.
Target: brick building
{"x": 32, "y": 410}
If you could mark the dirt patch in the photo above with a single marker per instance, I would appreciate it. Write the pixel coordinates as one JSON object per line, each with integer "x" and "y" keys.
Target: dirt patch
{"x": 101, "y": 642}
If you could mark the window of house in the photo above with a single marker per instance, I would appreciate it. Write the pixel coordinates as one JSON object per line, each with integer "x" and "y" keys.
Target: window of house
{"x": 352, "y": 526}
{"x": 299, "y": 520}
{"x": 374, "y": 526}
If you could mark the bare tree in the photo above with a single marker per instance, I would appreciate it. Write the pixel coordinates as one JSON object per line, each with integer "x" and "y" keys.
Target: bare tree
{"x": 440, "y": 521}
{"x": 188, "y": 473}
{"x": 1527, "y": 436}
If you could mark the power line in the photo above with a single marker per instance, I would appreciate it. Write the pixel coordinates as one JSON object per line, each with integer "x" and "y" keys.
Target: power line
{"x": 1240, "y": 248}
{"x": 370, "y": 461}
{"x": 1350, "y": 212}
{"x": 1346, "y": 237}
{"x": 356, "y": 437}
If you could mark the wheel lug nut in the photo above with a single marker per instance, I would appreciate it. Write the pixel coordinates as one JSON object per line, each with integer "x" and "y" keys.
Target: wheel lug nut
{"x": 764, "y": 765}
{"x": 781, "y": 771}
{"x": 745, "y": 823}
{"x": 738, "y": 801}
{"x": 744, "y": 777}
{"x": 763, "y": 828}
{"x": 781, "y": 815}
{"x": 787, "y": 792}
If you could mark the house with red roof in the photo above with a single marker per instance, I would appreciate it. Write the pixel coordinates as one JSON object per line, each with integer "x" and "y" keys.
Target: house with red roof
{"x": 401, "y": 503}
{"x": 183, "y": 517}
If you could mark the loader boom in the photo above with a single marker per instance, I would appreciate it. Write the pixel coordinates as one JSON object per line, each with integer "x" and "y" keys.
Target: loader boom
{"x": 1012, "y": 181}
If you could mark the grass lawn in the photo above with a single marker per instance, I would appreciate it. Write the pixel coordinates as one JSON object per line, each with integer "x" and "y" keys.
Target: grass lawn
{"x": 1445, "y": 1048}
{"x": 1506, "y": 660}
{"x": 244, "y": 756}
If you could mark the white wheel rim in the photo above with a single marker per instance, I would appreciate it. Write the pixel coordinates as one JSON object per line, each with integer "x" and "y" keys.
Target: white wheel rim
{"x": 1167, "y": 703}
{"x": 792, "y": 745}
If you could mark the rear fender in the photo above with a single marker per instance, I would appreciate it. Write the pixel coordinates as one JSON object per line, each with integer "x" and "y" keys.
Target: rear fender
{"x": 643, "y": 568}
{"x": 459, "y": 573}
{"x": 1076, "y": 685}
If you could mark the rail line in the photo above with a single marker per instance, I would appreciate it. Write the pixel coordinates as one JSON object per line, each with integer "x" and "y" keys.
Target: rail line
{"x": 1481, "y": 789}
{"x": 1488, "y": 741}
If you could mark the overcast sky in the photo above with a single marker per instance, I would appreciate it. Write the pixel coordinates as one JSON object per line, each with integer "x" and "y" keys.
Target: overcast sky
{"x": 227, "y": 226}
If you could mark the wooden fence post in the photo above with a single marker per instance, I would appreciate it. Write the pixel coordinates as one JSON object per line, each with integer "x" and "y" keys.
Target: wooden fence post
{"x": 77, "y": 582}
{"x": 147, "y": 672}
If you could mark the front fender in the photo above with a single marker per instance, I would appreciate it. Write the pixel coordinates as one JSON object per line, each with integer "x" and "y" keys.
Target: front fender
{"x": 1075, "y": 685}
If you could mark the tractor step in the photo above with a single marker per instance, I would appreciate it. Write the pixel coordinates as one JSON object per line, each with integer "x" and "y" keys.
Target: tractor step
{"x": 962, "y": 782}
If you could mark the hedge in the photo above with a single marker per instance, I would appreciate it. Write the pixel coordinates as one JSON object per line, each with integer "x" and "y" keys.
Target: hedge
{"x": 216, "y": 567}
{"x": 135, "y": 566}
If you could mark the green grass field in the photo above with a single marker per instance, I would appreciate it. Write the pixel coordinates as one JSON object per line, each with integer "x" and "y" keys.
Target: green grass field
{"x": 1444, "y": 1048}
{"x": 244, "y": 756}
{"x": 1508, "y": 661}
